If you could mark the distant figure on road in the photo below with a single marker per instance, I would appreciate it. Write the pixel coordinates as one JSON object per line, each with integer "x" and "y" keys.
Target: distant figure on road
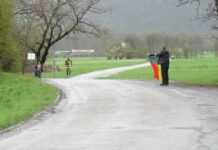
{"x": 164, "y": 61}
{"x": 68, "y": 65}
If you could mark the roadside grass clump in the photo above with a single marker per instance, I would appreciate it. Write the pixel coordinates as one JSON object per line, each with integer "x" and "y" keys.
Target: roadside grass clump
{"x": 200, "y": 71}
{"x": 21, "y": 97}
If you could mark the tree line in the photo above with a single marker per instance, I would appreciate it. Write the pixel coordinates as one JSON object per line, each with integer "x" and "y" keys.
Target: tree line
{"x": 140, "y": 46}
{"x": 180, "y": 45}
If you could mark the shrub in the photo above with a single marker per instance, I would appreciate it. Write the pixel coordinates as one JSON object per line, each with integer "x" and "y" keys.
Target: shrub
{"x": 10, "y": 58}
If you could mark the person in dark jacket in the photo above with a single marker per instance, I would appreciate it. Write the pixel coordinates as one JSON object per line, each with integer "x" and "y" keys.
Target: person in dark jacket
{"x": 38, "y": 70}
{"x": 164, "y": 61}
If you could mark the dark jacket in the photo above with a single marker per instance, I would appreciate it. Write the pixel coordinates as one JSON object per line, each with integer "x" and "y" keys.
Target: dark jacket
{"x": 164, "y": 57}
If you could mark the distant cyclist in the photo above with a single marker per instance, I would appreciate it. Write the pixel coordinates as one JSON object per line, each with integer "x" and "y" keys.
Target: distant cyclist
{"x": 68, "y": 65}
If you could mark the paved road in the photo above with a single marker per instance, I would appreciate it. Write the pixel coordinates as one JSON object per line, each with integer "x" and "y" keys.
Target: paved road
{"x": 123, "y": 115}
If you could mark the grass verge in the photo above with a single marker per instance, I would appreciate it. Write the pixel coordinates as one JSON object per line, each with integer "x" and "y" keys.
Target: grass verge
{"x": 198, "y": 71}
{"x": 21, "y": 97}
{"x": 85, "y": 65}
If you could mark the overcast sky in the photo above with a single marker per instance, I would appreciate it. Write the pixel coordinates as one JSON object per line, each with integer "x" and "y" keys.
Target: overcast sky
{"x": 143, "y": 16}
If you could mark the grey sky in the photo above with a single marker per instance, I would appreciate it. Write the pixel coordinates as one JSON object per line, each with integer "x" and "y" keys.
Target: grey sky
{"x": 142, "y": 16}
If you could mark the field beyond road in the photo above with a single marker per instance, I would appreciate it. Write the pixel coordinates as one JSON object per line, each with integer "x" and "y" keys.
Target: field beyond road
{"x": 21, "y": 97}
{"x": 197, "y": 71}
{"x": 85, "y": 65}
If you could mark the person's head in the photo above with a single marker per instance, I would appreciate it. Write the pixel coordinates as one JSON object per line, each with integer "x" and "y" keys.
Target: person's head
{"x": 164, "y": 48}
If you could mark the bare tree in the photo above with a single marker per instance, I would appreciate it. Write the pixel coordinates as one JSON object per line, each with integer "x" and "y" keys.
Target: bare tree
{"x": 211, "y": 12}
{"x": 45, "y": 22}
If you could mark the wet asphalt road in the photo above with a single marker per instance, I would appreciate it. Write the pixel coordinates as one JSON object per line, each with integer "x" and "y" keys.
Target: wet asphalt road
{"x": 122, "y": 115}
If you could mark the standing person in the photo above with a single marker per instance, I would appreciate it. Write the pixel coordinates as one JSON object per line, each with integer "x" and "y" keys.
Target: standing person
{"x": 38, "y": 70}
{"x": 35, "y": 71}
{"x": 68, "y": 65}
{"x": 164, "y": 61}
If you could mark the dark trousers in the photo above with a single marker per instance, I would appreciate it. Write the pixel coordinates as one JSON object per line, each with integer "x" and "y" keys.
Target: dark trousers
{"x": 38, "y": 73}
{"x": 165, "y": 73}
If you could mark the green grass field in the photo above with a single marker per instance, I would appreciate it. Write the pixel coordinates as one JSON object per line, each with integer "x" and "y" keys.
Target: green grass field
{"x": 198, "y": 71}
{"x": 21, "y": 97}
{"x": 85, "y": 65}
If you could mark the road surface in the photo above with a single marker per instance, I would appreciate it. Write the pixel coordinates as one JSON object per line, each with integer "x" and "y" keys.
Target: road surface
{"x": 123, "y": 115}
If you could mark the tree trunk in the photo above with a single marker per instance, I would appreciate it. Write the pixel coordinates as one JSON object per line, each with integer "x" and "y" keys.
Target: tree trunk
{"x": 38, "y": 55}
{"x": 44, "y": 57}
